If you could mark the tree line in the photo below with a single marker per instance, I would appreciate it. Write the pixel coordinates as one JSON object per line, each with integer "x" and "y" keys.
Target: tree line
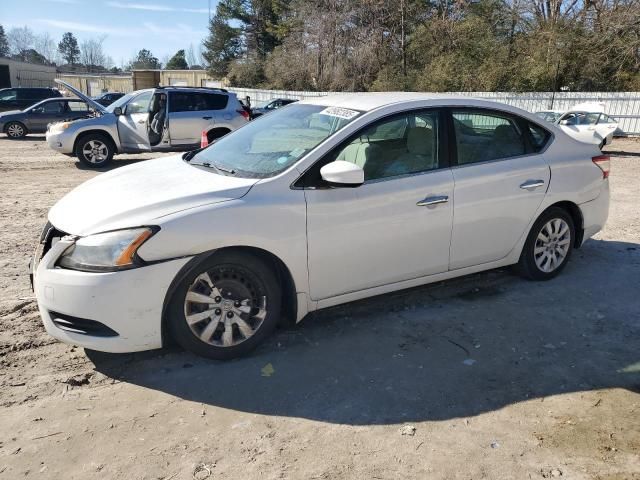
{"x": 21, "y": 43}
{"x": 437, "y": 45}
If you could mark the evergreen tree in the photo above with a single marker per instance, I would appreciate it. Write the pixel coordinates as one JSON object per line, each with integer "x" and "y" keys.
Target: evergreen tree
{"x": 68, "y": 48}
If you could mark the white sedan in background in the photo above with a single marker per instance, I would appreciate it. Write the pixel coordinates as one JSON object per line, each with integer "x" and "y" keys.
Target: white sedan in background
{"x": 585, "y": 122}
{"x": 327, "y": 201}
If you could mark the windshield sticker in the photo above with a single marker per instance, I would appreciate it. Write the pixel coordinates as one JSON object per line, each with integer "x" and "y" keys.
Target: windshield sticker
{"x": 297, "y": 152}
{"x": 340, "y": 112}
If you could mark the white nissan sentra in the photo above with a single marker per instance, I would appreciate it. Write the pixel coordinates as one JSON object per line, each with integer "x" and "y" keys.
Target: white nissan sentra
{"x": 322, "y": 202}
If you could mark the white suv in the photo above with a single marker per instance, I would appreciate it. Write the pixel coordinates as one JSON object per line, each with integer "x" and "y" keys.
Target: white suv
{"x": 158, "y": 119}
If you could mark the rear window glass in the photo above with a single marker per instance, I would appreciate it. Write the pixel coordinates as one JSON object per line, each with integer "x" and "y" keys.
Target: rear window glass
{"x": 539, "y": 137}
{"x": 196, "y": 102}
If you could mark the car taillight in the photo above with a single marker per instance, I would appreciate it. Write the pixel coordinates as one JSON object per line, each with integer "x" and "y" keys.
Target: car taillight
{"x": 244, "y": 113}
{"x": 604, "y": 163}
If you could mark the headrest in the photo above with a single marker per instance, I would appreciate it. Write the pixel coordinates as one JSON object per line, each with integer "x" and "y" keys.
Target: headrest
{"x": 420, "y": 140}
{"x": 506, "y": 132}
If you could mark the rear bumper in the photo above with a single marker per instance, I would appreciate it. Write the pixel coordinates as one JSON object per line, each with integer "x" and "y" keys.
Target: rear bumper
{"x": 128, "y": 302}
{"x": 595, "y": 212}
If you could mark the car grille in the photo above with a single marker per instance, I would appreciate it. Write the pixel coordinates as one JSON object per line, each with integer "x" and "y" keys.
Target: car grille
{"x": 81, "y": 325}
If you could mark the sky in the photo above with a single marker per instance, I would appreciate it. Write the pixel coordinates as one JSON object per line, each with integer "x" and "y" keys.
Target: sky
{"x": 162, "y": 26}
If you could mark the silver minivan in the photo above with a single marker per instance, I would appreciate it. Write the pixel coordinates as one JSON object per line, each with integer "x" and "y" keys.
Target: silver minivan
{"x": 159, "y": 119}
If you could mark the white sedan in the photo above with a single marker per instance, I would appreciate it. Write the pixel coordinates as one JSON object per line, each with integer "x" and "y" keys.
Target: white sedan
{"x": 589, "y": 126}
{"x": 322, "y": 202}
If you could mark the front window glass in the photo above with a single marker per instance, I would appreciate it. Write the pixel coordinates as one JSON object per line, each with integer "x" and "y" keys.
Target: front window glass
{"x": 401, "y": 145}
{"x": 52, "y": 107}
{"x": 78, "y": 107}
{"x": 139, "y": 104}
{"x": 270, "y": 145}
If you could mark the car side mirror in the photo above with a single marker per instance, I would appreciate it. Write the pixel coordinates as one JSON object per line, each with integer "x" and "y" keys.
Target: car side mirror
{"x": 342, "y": 174}
{"x": 117, "y": 111}
{"x": 564, "y": 122}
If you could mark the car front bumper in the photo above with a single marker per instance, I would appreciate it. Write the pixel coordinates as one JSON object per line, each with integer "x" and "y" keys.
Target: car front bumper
{"x": 60, "y": 141}
{"x": 128, "y": 303}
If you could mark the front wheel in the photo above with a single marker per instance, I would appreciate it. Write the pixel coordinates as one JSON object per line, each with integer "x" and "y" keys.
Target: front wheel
{"x": 548, "y": 246}
{"x": 225, "y": 306}
{"x": 95, "y": 150}
{"x": 15, "y": 130}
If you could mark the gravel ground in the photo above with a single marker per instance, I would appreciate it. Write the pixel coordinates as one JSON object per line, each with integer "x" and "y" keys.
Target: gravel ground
{"x": 488, "y": 376}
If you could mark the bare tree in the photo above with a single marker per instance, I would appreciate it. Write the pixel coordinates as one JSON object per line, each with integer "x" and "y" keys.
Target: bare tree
{"x": 91, "y": 53}
{"x": 46, "y": 46}
{"x": 20, "y": 39}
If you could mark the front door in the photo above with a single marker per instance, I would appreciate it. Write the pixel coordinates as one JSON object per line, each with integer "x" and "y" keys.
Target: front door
{"x": 39, "y": 117}
{"x": 133, "y": 123}
{"x": 394, "y": 227}
{"x": 500, "y": 181}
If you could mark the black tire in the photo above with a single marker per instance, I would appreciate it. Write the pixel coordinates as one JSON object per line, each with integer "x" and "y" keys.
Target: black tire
{"x": 528, "y": 266}
{"x": 101, "y": 147}
{"x": 216, "y": 133}
{"x": 235, "y": 275}
{"x": 15, "y": 130}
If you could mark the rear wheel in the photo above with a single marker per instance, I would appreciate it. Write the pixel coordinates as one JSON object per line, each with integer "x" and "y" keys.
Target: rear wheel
{"x": 226, "y": 306}
{"x": 15, "y": 130}
{"x": 548, "y": 246}
{"x": 95, "y": 150}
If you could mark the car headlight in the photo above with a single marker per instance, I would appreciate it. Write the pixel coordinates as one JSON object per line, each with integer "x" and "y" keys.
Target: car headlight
{"x": 59, "y": 127}
{"x": 107, "y": 252}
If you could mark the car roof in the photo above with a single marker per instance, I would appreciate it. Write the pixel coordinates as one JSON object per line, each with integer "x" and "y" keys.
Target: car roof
{"x": 373, "y": 100}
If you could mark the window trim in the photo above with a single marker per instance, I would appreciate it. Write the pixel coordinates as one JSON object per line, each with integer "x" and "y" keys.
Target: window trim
{"x": 443, "y": 150}
{"x": 520, "y": 121}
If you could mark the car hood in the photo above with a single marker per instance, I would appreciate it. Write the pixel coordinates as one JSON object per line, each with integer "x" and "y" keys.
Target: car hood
{"x": 140, "y": 194}
{"x": 82, "y": 96}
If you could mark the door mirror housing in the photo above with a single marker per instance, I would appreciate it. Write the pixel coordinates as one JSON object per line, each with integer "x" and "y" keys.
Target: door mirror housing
{"x": 342, "y": 174}
{"x": 117, "y": 111}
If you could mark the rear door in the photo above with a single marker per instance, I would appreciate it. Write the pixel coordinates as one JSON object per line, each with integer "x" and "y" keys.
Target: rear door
{"x": 500, "y": 176}
{"x": 133, "y": 123}
{"x": 190, "y": 113}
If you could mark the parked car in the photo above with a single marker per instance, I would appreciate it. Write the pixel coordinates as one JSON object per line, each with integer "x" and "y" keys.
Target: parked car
{"x": 107, "y": 98}
{"x": 588, "y": 126}
{"x": 19, "y": 98}
{"x": 550, "y": 115}
{"x": 327, "y": 201}
{"x": 156, "y": 119}
{"x": 585, "y": 122}
{"x": 271, "y": 106}
{"x": 36, "y": 118}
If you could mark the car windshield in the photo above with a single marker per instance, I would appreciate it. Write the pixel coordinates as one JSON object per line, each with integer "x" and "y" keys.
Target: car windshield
{"x": 120, "y": 102}
{"x": 269, "y": 145}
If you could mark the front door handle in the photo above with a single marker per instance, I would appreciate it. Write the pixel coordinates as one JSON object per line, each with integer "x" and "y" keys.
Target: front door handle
{"x": 531, "y": 184}
{"x": 206, "y": 118}
{"x": 433, "y": 201}
{"x": 142, "y": 121}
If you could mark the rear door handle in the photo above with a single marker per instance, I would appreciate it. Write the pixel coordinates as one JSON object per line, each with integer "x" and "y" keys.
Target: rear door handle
{"x": 433, "y": 200}
{"x": 531, "y": 184}
{"x": 206, "y": 118}
{"x": 142, "y": 121}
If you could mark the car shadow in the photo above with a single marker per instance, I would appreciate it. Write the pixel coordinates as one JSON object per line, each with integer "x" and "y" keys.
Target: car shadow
{"x": 453, "y": 349}
{"x": 621, "y": 153}
{"x": 117, "y": 163}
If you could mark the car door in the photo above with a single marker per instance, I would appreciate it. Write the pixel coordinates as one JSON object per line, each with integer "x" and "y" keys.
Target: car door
{"x": 189, "y": 115}
{"x": 577, "y": 125}
{"x": 606, "y": 126}
{"x": 394, "y": 227}
{"x": 42, "y": 115}
{"x": 500, "y": 176}
{"x": 133, "y": 123}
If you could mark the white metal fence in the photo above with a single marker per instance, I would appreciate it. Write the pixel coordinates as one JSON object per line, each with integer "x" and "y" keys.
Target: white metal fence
{"x": 623, "y": 106}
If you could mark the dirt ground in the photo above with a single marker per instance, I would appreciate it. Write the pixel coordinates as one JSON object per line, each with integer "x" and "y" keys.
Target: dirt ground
{"x": 489, "y": 376}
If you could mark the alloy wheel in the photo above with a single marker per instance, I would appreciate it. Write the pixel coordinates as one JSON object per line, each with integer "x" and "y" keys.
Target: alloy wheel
{"x": 15, "y": 130}
{"x": 95, "y": 151}
{"x": 552, "y": 245}
{"x": 224, "y": 307}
